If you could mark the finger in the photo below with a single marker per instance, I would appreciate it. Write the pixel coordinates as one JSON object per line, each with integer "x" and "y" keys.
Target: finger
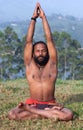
{"x": 35, "y": 10}
{"x": 38, "y": 11}
{"x": 46, "y": 108}
{"x": 37, "y": 6}
{"x": 38, "y": 3}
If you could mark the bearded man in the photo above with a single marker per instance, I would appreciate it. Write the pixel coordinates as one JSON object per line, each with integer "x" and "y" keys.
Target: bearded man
{"x": 41, "y": 73}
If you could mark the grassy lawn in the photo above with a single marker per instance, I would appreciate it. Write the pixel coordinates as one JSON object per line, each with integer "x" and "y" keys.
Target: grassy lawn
{"x": 69, "y": 93}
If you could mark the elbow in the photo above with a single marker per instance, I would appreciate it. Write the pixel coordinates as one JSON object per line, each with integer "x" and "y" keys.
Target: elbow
{"x": 28, "y": 41}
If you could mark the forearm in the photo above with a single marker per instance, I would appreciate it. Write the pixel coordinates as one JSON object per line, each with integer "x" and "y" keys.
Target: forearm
{"x": 47, "y": 30}
{"x": 30, "y": 33}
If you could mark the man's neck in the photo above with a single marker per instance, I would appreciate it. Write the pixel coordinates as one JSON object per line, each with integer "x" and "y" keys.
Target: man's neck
{"x": 40, "y": 67}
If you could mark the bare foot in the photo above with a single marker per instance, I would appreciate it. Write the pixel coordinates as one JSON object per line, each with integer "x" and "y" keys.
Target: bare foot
{"x": 26, "y": 106}
{"x": 21, "y": 105}
{"x": 57, "y": 106}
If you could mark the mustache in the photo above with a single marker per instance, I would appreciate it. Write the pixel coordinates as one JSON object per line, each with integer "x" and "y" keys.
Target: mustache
{"x": 40, "y": 56}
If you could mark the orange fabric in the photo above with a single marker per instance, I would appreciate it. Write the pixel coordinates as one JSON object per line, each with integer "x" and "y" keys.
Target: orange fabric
{"x": 31, "y": 101}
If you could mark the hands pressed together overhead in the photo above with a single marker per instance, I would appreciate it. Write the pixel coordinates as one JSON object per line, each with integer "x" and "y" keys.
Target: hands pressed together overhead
{"x": 38, "y": 12}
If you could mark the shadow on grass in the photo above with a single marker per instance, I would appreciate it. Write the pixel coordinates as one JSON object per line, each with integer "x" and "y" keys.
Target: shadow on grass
{"x": 74, "y": 98}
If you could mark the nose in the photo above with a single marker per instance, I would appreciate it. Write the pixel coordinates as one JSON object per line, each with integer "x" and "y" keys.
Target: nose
{"x": 40, "y": 52}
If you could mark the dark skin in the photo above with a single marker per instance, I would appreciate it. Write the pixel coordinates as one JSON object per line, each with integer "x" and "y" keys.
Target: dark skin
{"x": 41, "y": 78}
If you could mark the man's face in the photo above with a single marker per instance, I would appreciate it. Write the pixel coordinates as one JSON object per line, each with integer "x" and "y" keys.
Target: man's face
{"x": 40, "y": 54}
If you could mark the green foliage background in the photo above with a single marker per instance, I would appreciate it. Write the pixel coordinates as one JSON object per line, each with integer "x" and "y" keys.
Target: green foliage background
{"x": 70, "y": 55}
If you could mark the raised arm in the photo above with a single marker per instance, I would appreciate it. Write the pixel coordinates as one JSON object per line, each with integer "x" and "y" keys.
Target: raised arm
{"x": 29, "y": 38}
{"x": 48, "y": 35}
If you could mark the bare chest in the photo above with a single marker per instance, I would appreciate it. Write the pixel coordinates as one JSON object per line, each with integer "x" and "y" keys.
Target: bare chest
{"x": 41, "y": 74}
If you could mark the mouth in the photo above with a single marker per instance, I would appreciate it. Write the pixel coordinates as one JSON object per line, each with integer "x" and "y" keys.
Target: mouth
{"x": 40, "y": 58}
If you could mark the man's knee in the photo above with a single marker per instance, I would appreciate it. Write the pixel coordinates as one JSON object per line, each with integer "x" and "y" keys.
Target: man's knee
{"x": 68, "y": 116}
{"x": 11, "y": 115}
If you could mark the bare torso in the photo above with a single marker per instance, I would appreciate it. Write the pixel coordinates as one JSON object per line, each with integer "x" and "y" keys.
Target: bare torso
{"x": 41, "y": 80}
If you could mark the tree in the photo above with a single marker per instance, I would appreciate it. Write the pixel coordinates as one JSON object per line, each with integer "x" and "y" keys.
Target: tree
{"x": 11, "y": 55}
{"x": 69, "y": 60}
{"x": 70, "y": 55}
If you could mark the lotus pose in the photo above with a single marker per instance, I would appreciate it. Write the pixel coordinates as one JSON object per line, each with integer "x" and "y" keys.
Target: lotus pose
{"x": 41, "y": 72}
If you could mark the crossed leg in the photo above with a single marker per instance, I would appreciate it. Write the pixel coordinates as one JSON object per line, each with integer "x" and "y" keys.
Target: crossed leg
{"x": 19, "y": 113}
{"x": 24, "y": 111}
{"x": 52, "y": 113}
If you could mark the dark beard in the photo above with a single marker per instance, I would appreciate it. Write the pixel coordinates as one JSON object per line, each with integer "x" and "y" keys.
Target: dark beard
{"x": 42, "y": 62}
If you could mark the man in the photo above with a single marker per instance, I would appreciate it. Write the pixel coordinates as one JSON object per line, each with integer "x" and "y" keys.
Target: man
{"x": 41, "y": 72}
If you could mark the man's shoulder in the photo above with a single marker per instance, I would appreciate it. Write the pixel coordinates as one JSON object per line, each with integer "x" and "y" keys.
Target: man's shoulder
{"x": 32, "y": 63}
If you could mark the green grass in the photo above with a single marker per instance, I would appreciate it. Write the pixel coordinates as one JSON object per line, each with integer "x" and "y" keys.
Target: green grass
{"x": 69, "y": 93}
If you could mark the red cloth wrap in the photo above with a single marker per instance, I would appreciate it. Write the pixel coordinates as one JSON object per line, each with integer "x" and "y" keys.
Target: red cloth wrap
{"x": 31, "y": 101}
